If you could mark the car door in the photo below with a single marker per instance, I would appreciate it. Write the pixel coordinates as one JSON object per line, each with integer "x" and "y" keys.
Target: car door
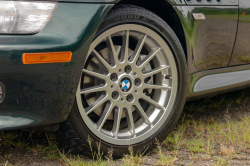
{"x": 210, "y": 28}
{"x": 241, "y": 53}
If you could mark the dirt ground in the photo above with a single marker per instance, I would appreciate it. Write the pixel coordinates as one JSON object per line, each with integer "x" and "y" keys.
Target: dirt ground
{"x": 19, "y": 149}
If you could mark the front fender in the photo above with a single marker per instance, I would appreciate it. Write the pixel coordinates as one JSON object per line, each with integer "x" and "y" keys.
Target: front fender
{"x": 43, "y": 94}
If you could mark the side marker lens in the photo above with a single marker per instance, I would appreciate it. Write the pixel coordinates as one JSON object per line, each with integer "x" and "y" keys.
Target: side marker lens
{"x": 51, "y": 57}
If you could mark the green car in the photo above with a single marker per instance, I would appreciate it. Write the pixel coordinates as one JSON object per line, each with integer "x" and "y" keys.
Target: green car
{"x": 116, "y": 71}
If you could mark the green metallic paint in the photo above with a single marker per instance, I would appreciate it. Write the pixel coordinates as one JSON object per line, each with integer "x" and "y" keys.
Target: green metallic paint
{"x": 241, "y": 54}
{"x": 43, "y": 94}
{"x": 209, "y": 42}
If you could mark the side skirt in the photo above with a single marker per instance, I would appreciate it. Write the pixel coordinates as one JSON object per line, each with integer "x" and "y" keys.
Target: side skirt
{"x": 212, "y": 82}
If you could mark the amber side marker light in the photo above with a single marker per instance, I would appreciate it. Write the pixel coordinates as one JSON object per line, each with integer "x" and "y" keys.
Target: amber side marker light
{"x": 49, "y": 57}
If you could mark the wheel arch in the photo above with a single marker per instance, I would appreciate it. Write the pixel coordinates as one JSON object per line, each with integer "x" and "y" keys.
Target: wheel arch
{"x": 164, "y": 9}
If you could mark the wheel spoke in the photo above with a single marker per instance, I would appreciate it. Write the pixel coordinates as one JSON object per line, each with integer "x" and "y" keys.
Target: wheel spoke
{"x": 105, "y": 114}
{"x": 130, "y": 121}
{"x": 151, "y": 101}
{"x": 117, "y": 121}
{"x": 151, "y": 55}
{"x": 102, "y": 60}
{"x": 125, "y": 45}
{"x": 155, "y": 71}
{"x": 142, "y": 113}
{"x": 102, "y": 99}
{"x": 134, "y": 57}
{"x": 111, "y": 48}
{"x": 148, "y": 86}
{"x": 101, "y": 76}
{"x": 97, "y": 88}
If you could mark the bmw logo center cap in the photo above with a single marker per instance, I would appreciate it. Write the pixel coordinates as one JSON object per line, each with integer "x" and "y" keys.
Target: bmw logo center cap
{"x": 125, "y": 85}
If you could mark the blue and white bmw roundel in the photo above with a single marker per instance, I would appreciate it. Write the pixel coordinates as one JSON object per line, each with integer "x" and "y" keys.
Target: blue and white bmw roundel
{"x": 125, "y": 84}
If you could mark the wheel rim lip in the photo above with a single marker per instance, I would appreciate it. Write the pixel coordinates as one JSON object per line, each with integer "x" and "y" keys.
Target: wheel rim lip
{"x": 168, "y": 108}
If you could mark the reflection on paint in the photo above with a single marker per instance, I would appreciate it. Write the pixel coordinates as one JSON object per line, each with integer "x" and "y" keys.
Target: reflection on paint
{"x": 8, "y": 121}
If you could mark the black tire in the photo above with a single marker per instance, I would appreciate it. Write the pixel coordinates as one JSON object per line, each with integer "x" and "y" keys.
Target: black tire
{"x": 74, "y": 133}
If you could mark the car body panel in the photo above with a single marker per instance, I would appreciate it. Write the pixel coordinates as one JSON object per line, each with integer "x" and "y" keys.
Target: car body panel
{"x": 241, "y": 54}
{"x": 43, "y": 94}
{"x": 210, "y": 41}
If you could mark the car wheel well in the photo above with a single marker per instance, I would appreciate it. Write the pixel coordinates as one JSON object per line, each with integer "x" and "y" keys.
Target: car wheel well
{"x": 164, "y": 10}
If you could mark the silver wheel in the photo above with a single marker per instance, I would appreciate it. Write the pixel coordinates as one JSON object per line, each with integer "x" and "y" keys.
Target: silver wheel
{"x": 128, "y": 86}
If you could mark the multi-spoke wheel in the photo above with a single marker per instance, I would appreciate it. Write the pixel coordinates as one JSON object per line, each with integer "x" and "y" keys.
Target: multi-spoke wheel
{"x": 129, "y": 83}
{"x": 132, "y": 87}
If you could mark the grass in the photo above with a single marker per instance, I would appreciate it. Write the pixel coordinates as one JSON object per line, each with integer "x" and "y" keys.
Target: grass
{"x": 132, "y": 158}
{"x": 165, "y": 159}
{"x": 200, "y": 136}
{"x": 209, "y": 139}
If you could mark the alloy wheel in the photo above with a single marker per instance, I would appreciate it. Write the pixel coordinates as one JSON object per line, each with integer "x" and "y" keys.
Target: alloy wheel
{"x": 128, "y": 86}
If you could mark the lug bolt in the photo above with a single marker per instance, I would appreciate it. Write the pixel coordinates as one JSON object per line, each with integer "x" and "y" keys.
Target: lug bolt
{"x": 127, "y": 69}
{"x": 135, "y": 73}
{"x": 130, "y": 98}
{"x": 115, "y": 95}
{"x": 112, "y": 86}
{"x": 122, "y": 99}
{"x": 120, "y": 70}
{"x": 137, "y": 82}
{"x": 113, "y": 77}
{"x": 136, "y": 91}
